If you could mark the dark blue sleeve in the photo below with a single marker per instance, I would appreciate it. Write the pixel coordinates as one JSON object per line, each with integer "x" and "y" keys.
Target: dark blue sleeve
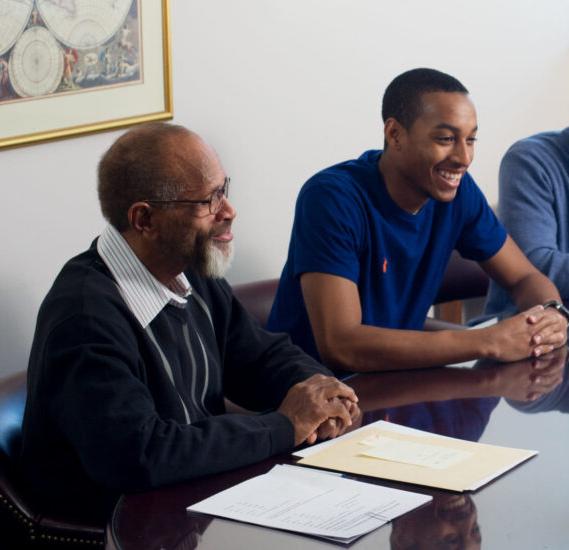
{"x": 482, "y": 234}
{"x": 328, "y": 230}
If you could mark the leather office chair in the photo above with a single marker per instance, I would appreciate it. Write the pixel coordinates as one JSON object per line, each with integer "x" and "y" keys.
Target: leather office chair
{"x": 22, "y": 524}
{"x": 257, "y": 297}
{"x": 463, "y": 279}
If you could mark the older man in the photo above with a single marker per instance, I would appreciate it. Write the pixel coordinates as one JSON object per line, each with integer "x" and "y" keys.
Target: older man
{"x": 139, "y": 339}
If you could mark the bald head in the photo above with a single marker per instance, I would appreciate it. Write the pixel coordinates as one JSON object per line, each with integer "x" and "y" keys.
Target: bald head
{"x": 155, "y": 161}
{"x": 189, "y": 158}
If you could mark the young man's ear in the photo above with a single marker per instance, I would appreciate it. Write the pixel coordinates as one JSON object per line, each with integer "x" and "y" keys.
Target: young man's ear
{"x": 393, "y": 132}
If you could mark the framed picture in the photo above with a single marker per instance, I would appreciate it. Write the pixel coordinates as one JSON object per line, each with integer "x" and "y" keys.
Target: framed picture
{"x": 71, "y": 67}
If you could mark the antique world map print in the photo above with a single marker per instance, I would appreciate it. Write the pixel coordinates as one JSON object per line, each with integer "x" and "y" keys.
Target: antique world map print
{"x": 50, "y": 47}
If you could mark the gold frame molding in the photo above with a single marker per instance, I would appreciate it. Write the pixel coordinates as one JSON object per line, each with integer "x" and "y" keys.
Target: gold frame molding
{"x": 164, "y": 113}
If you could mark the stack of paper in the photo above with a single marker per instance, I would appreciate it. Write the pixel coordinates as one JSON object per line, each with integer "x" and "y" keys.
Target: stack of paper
{"x": 311, "y": 502}
{"x": 389, "y": 451}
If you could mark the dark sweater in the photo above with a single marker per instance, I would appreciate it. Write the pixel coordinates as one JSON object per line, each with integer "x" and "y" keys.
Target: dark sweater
{"x": 103, "y": 416}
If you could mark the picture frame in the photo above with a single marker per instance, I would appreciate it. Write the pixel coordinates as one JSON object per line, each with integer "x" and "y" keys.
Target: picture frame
{"x": 94, "y": 74}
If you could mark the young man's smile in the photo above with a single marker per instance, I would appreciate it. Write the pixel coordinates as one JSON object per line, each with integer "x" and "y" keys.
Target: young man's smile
{"x": 432, "y": 155}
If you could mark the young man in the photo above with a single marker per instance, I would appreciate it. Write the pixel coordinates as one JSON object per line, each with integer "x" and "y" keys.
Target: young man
{"x": 139, "y": 340}
{"x": 372, "y": 237}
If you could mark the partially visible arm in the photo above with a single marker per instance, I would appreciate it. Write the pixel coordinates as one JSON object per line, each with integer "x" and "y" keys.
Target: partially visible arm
{"x": 335, "y": 315}
{"x": 529, "y": 190}
{"x": 513, "y": 272}
{"x": 260, "y": 366}
{"x": 265, "y": 370}
{"x": 97, "y": 391}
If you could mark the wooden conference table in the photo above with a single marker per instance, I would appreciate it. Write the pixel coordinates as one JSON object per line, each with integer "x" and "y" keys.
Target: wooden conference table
{"x": 524, "y": 509}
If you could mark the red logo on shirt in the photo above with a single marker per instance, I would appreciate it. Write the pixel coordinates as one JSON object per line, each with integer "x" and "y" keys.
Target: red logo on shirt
{"x": 384, "y": 266}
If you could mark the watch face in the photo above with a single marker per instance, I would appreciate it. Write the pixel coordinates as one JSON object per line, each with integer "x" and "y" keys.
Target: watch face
{"x": 564, "y": 311}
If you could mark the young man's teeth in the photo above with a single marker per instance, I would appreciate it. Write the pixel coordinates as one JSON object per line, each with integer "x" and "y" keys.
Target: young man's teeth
{"x": 450, "y": 175}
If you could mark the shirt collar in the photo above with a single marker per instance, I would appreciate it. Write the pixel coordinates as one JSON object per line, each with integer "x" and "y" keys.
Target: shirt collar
{"x": 144, "y": 295}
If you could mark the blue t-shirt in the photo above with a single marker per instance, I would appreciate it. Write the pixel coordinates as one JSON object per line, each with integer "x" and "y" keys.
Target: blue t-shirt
{"x": 346, "y": 224}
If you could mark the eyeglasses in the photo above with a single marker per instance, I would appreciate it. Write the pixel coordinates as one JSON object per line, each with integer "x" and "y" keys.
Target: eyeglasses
{"x": 214, "y": 201}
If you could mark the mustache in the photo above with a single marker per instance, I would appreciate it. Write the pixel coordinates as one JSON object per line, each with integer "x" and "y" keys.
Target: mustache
{"x": 225, "y": 227}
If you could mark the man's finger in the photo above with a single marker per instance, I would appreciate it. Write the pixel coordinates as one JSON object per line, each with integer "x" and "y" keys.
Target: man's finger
{"x": 542, "y": 350}
{"x": 534, "y": 314}
{"x": 327, "y": 429}
{"x": 332, "y": 387}
{"x": 311, "y": 438}
{"x": 335, "y": 408}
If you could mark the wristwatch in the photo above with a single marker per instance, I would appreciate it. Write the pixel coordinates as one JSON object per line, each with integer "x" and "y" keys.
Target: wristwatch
{"x": 559, "y": 307}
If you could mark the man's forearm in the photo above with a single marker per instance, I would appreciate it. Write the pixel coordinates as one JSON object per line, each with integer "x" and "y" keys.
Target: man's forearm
{"x": 366, "y": 348}
{"x": 532, "y": 290}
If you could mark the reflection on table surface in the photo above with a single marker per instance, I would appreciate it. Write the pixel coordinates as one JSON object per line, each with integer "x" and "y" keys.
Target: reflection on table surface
{"x": 449, "y": 521}
{"x": 525, "y": 508}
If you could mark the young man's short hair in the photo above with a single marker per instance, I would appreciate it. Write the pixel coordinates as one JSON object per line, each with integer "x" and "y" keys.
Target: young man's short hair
{"x": 402, "y": 98}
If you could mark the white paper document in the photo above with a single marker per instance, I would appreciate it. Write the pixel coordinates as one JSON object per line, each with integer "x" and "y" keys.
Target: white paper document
{"x": 311, "y": 502}
{"x": 396, "y": 428}
{"x": 408, "y": 452}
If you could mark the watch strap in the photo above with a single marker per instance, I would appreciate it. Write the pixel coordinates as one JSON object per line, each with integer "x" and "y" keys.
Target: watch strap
{"x": 556, "y": 304}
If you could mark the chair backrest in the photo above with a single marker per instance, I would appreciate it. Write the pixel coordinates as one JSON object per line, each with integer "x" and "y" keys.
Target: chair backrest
{"x": 257, "y": 297}
{"x": 463, "y": 279}
{"x": 12, "y": 403}
{"x": 14, "y": 508}
{"x": 22, "y": 524}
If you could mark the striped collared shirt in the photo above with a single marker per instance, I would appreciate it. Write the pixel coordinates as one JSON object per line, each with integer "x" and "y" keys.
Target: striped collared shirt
{"x": 144, "y": 295}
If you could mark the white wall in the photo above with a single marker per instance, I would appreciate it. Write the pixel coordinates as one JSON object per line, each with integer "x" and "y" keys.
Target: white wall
{"x": 282, "y": 89}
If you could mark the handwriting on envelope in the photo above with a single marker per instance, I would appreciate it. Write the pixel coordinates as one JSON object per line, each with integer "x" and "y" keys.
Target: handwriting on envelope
{"x": 409, "y": 452}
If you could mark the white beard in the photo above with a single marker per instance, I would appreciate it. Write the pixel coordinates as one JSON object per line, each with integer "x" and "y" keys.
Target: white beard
{"x": 218, "y": 261}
